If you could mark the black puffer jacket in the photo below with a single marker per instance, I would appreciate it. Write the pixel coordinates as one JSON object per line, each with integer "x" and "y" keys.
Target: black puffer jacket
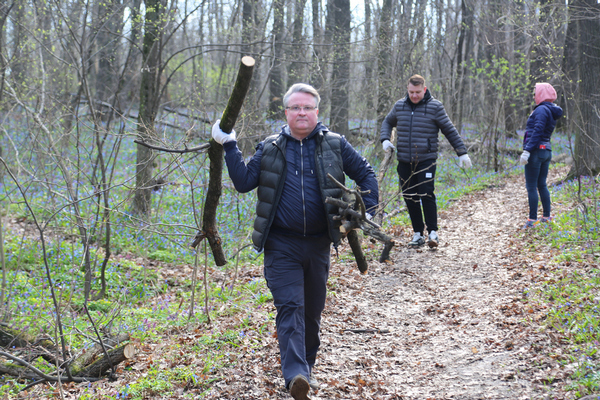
{"x": 417, "y": 127}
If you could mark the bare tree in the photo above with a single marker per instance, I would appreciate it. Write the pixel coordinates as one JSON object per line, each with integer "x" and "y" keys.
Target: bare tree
{"x": 464, "y": 51}
{"x": 584, "y": 68}
{"x": 149, "y": 101}
{"x": 276, "y": 78}
{"x": 384, "y": 62}
{"x": 109, "y": 22}
{"x": 340, "y": 77}
{"x": 317, "y": 68}
{"x": 297, "y": 52}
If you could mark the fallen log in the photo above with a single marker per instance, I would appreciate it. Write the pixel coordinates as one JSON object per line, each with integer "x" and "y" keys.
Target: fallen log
{"x": 21, "y": 369}
{"x": 34, "y": 347}
{"x": 88, "y": 365}
{"x": 99, "y": 367}
{"x": 87, "y": 356}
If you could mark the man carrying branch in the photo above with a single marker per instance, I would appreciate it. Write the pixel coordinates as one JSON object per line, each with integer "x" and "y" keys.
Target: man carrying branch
{"x": 294, "y": 226}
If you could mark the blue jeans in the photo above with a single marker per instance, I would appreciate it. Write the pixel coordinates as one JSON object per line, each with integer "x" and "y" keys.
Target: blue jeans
{"x": 536, "y": 173}
{"x": 296, "y": 271}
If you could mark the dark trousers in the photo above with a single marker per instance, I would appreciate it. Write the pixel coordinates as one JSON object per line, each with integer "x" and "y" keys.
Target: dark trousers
{"x": 536, "y": 173}
{"x": 296, "y": 271}
{"x": 417, "y": 185}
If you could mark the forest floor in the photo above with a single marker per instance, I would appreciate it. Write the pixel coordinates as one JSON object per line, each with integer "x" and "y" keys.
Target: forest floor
{"x": 451, "y": 323}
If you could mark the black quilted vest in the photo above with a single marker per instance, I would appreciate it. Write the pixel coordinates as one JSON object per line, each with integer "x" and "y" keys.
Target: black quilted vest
{"x": 273, "y": 170}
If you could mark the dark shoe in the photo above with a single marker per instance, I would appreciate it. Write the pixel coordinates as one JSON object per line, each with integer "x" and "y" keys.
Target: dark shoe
{"x": 299, "y": 388}
{"x": 433, "y": 239}
{"x": 314, "y": 384}
{"x": 417, "y": 240}
{"x": 546, "y": 219}
{"x": 530, "y": 223}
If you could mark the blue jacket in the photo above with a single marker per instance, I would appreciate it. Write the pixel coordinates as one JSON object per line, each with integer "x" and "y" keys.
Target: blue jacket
{"x": 540, "y": 125}
{"x": 300, "y": 209}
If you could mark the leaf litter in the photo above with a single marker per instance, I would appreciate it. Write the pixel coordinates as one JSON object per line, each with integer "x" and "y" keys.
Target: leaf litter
{"x": 450, "y": 323}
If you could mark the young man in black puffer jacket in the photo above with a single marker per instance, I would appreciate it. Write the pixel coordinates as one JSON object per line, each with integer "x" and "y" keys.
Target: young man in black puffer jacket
{"x": 418, "y": 118}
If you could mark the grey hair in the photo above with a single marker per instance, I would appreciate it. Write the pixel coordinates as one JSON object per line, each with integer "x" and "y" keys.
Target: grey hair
{"x": 301, "y": 88}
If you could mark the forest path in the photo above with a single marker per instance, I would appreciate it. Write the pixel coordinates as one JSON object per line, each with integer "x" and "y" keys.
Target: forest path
{"x": 451, "y": 320}
{"x": 437, "y": 324}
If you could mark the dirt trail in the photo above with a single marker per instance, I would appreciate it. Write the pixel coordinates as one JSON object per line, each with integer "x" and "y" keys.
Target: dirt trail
{"x": 439, "y": 325}
{"x": 448, "y": 313}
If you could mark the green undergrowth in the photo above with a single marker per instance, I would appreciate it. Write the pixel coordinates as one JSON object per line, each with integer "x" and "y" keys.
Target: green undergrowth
{"x": 149, "y": 308}
{"x": 572, "y": 292}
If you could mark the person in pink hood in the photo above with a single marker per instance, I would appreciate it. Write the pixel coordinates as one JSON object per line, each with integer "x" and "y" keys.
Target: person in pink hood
{"x": 537, "y": 151}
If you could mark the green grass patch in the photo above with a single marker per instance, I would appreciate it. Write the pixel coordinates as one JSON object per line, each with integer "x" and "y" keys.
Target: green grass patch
{"x": 572, "y": 293}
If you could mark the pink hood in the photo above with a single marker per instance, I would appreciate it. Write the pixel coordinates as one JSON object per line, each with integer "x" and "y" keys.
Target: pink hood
{"x": 544, "y": 92}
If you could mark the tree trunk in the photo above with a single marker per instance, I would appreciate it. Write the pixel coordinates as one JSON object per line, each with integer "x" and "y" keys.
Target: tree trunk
{"x": 109, "y": 23}
{"x": 91, "y": 363}
{"x": 369, "y": 53}
{"x": 149, "y": 101}
{"x": 251, "y": 26}
{"x": 384, "y": 62}
{"x": 465, "y": 43}
{"x": 539, "y": 55}
{"x": 276, "y": 79}
{"x": 296, "y": 67}
{"x": 340, "y": 77}
{"x": 317, "y": 68}
{"x": 584, "y": 13}
{"x": 132, "y": 86}
{"x": 19, "y": 63}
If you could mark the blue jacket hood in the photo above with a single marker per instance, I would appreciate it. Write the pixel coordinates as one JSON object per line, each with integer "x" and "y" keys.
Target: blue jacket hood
{"x": 556, "y": 111}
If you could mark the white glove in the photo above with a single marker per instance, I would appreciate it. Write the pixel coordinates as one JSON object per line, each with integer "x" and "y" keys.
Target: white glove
{"x": 387, "y": 145}
{"x": 524, "y": 158}
{"x": 220, "y": 136}
{"x": 464, "y": 161}
{"x": 368, "y": 216}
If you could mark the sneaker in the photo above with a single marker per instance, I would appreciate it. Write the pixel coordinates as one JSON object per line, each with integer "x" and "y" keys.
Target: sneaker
{"x": 314, "y": 384}
{"x": 417, "y": 240}
{"x": 546, "y": 219}
{"x": 530, "y": 223}
{"x": 299, "y": 388}
{"x": 432, "y": 240}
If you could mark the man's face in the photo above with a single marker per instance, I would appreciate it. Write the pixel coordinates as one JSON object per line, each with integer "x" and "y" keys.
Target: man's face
{"x": 416, "y": 93}
{"x": 301, "y": 122}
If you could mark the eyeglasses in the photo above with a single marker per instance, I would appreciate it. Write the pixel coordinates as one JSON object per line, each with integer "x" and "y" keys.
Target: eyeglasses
{"x": 296, "y": 109}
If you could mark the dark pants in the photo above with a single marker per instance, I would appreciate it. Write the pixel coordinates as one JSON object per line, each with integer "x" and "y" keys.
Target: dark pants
{"x": 296, "y": 270}
{"x": 417, "y": 185}
{"x": 536, "y": 173}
